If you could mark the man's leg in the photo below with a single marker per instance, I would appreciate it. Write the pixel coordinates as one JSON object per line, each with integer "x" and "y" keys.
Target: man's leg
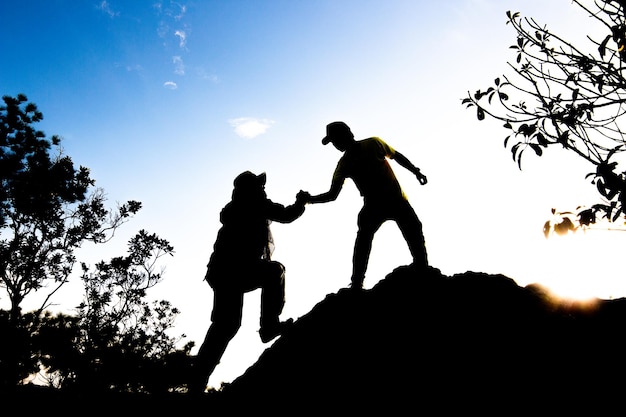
{"x": 272, "y": 300}
{"x": 369, "y": 222}
{"x": 411, "y": 228}
{"x": 272, "y": 293}
{"x": 225, "y": 322}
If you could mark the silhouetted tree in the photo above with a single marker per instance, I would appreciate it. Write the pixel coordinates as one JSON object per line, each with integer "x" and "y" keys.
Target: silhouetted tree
{"x": 562, "y": 95}
{"x": 118, "y": 341}
{"x": 124, "y": 337}
{"x": 47, "y": 207}
{"x": 56, "y": 341}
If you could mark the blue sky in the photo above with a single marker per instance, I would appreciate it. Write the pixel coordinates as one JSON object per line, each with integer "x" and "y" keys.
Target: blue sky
{"x": 166, "y": 102}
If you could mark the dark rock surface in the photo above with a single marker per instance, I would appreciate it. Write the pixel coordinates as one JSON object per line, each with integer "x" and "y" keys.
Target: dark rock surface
{"x": 425, "y": 341}
{"x": 419, "y": 342}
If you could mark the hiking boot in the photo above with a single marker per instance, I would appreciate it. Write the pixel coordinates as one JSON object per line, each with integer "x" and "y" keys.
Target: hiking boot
{"x": 268, "y": 333}
{"x": 356, "y": 286}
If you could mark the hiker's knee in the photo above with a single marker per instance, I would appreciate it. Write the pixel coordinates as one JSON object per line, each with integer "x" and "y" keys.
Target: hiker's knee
{"x": 276, "y": 271}
{"x": 226, "y": 327}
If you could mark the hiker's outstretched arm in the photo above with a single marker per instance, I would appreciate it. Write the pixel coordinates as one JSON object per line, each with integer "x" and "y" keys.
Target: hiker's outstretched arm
{"x": 404, "y": 162}
{"x": 279, "y": 213}
{"x": 330, "y": 195}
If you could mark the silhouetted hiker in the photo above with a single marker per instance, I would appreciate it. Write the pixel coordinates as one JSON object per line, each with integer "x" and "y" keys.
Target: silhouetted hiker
{"x": 365, "y": 161}
{"x": 241, "y": 262}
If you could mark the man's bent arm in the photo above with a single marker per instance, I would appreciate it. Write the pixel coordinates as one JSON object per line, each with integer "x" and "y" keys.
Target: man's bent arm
{"x": 404, "y": 162}
{"x": 278, "y": 212}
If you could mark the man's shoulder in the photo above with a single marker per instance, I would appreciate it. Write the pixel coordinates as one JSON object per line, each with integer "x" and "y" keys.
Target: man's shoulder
{"x": 370, "y": 140}
{"x": 375, "y": 143}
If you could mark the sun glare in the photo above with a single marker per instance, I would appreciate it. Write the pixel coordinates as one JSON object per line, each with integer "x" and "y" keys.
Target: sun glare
{"x": 583, "y": 265}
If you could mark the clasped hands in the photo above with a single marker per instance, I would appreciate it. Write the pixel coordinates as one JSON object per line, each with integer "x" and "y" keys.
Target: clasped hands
{"x": 303, "y": 197}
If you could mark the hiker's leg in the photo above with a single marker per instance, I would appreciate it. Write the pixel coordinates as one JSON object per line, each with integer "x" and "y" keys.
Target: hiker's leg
{"x": 272, "y": 277}
{"x": 225, "y": 322}
{"x": 369, "y": 222}
{"x": 411, "y": 228}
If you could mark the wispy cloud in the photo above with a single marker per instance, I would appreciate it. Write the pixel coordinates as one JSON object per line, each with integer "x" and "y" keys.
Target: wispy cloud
{"x": 204, "y": 75}
{"x": 182, "y": 9}
{"x": 171, "y": 9}
{"x": 250, "y": 127}
{"x": 129, "y": 67}
{"x": 134, "y": 68}
{"x": 170, "y": 85}
{"x": 105, "y": 7}
{"x": 179, "y": 66}
{"x": 172, "y": 26}
{"x": 182, "y": 38}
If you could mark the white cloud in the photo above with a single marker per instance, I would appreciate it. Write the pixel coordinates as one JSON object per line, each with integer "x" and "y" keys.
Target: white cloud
{"x": 133, "y": 68}
{"x": 249, "y": 127}
{"x": 179, "y": 66}
{"x": 203, "y": 74}
{"x": 170, "y": 85}
{"x": 183, "y": 10}
{"x": 106, "y": 8}
{"x": 182, "y": 37}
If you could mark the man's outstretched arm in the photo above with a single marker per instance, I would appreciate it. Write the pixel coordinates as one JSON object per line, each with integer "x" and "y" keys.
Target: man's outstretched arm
{"x": 404, "y": 162}
{"x": 330, "y": 195}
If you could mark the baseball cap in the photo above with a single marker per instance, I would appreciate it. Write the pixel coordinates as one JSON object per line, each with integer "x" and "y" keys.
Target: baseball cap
{"x": 247, "y": 179}
{"x": 335, "y": 130}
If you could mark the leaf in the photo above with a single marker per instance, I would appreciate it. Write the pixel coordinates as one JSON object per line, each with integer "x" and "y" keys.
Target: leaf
{"x": 514, "y": 149}
{"x": 541, "y": 139}
{"x": 602, "y": 47}
{"x": 536, "y": 148}
{"x": 617, "y": 214}
{"x": 480, "y": 113}
{"x": 546, "y": 229}
{"x": 601, "y": 188}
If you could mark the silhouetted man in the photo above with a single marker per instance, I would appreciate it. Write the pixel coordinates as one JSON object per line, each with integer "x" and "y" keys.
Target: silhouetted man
{"x": 365, "y": 161}
{"x": 241, "y": 262}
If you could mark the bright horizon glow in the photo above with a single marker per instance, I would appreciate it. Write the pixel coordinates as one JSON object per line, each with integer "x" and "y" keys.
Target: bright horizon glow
{"x": 592, "y": 280}
{"x": 166, "y": 102}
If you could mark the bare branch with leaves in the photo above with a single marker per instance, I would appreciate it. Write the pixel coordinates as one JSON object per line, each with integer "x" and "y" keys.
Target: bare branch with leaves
{"x": 559, "y": 95}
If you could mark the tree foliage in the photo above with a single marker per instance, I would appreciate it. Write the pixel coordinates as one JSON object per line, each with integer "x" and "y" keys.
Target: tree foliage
{"x": 48, "y": 208}
{"x": 118, "y": 341}
{"x": 561, "y": 95}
